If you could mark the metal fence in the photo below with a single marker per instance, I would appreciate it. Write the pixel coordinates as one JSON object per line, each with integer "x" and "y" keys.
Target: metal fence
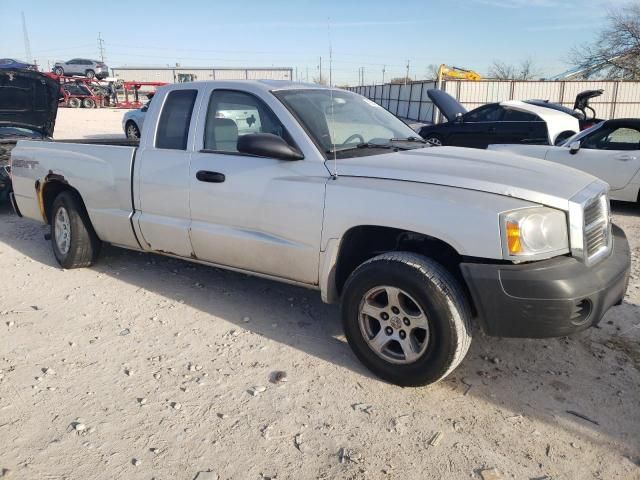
{"x": 621, "y": 99}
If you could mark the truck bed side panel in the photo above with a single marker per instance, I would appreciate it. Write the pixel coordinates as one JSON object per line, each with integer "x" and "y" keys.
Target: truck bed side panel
{"x": 100, "y": 173}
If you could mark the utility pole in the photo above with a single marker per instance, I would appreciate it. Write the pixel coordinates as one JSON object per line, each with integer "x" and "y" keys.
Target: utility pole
{"x": 363, "y": 76}
{"x": 101, "y": 47}
{"x": 406, "y": 79}
{"x": 384, "y": 67}
{"x": 320, "y": 70}
{"x": 307, "y": 74}
{"x": 27, "y": 46}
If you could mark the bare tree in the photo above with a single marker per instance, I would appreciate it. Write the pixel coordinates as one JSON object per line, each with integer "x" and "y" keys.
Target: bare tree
{"x": 432, "y": 71}
{"x": 616, "y": 51}
{"x": 525, "y": 70}
{"x": 401, "y": 80}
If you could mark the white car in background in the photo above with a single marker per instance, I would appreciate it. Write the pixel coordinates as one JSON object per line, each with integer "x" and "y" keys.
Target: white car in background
{"x": 133, "y": 120}
{"x": 609, "y": 150}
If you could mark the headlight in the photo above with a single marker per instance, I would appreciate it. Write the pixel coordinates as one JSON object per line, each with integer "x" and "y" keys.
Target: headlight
{"x": 534, "y": 233}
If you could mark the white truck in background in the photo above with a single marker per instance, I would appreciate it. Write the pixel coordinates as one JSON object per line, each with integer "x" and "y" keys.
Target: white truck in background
{"x": 323, "y": 188}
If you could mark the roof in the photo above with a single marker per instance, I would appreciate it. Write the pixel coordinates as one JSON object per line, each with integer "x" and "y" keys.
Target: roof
{"x": 266, "y": 85}
{"x": 621, "y": 122}
{"x": 161, "y": 67}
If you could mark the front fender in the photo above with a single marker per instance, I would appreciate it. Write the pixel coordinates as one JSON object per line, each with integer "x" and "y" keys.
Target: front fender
{"x": 466, "y": 220}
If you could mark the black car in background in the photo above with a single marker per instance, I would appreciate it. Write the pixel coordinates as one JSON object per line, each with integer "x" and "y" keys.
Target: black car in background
{"x": 501, "y": 122}
{"x": 28, "y": 109}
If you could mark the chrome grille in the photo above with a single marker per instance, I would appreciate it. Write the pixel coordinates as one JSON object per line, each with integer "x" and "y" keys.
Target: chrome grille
{"x": 596, "y": 227}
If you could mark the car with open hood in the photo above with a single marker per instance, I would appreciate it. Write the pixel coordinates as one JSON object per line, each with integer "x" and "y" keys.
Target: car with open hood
{"x": 323, "y": 188}
{"x": 511, "y": 121}
{"x": 28, "y": 109}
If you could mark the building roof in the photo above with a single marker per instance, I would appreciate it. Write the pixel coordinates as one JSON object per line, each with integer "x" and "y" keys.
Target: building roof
{"x": 161, "y": 67}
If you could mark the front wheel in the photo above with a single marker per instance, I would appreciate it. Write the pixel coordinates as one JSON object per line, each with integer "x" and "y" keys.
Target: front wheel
{"x": 90, "y": 74}
{"x": 75, "y": 243}
{"x": 406, "y": 318}
{"x": 74, "y": 102}
{"x": 434, "y": 140}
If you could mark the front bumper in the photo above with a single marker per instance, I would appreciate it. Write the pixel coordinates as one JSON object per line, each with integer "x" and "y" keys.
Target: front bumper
{"x": 550, "y": 298}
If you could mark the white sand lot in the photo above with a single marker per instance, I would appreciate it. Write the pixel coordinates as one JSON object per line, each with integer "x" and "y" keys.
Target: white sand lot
{"x": 144, "y": 367}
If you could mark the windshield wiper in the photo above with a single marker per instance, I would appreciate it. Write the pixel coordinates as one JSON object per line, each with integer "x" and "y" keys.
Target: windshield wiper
{"x": 360, "y": 146}
{"x": 408, "y": 139}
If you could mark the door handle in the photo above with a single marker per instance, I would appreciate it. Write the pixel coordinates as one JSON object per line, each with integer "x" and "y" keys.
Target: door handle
{"x": 210, "y": 177}
{"x": 626, "y": 158}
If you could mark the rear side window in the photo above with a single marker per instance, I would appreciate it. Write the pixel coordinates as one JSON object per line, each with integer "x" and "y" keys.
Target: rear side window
{"x": 173, "y": 127}
{"x": 488, "y": 113}
{"x": 519, "y": 116}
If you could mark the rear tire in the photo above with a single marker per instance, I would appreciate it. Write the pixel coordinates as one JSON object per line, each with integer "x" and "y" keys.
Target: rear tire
{"x": 420, "y": 333}
{"x": 74, "y": 102}
{"x": 58, "y": 71}
{"x": 75, "y": 243}
{"x": 88, "y": 103}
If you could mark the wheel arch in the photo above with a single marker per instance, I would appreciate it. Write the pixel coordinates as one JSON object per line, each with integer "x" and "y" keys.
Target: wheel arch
{"x": 52, "y": 186}
{"x": 363, "y": 242}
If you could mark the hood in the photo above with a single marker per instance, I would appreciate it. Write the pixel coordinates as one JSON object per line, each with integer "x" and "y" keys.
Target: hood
{"x": 448, "y": 105}
{"x": 28, "y": 100}
{"x": 507, "y": 174}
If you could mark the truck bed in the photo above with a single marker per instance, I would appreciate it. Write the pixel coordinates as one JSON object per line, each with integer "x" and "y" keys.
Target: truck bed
{"x": 99, "y": 169}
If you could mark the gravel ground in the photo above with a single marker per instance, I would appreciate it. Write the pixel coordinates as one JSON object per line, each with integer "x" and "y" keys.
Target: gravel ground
{"x": 148, "y": 367}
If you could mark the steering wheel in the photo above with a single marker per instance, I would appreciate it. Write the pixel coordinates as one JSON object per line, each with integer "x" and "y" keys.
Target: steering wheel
{"x": 353, "y": 137}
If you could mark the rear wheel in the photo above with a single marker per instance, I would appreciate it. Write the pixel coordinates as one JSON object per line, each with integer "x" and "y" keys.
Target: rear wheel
{"x": 74, "y": 102}
{"x": 58, "y": 71}
{"x": 90, "y": 74}
{"x": 75, "y": 243}
{"x": 406, "y": 318}
{"x": 132, "y": 131}
{"x": 88, "y": 103}
{"x": 563, "y": 137}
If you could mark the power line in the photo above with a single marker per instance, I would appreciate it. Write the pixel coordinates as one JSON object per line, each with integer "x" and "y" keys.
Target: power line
{"x": 101, "y": 47}
{"x": 27, "y": 46}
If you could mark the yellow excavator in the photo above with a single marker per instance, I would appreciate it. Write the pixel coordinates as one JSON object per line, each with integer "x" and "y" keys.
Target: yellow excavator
{"x": 445, "y": 72}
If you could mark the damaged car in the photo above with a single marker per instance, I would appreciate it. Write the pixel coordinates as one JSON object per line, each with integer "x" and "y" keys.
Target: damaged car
{"x": 511, "y": 121}
{"x": 28, "y": 109}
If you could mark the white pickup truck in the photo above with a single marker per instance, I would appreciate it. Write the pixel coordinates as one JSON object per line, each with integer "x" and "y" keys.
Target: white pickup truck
{"x": 323, "y": 188}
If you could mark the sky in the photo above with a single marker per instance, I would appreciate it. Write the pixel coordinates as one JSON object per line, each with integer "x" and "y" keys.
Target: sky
{"x": 373, "y": 34}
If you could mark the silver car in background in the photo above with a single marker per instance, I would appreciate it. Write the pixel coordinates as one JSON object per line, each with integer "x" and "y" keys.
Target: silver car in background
{"x": 133, "y": 120}
{"x": 82, "y": 66}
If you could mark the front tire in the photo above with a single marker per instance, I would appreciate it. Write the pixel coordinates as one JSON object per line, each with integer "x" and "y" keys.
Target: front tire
{"x": 434, "y": 140}
{"x": 75, "y": 243}
{"x": 406, "y": 318}
{"x": 74, "y": 102}
{"x": 90, "y": 74}
{"x": 132, "y": 131}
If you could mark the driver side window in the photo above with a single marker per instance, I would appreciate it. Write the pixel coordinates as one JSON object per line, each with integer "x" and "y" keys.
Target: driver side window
{"x": 488, "y": 113}
{"x": 613, "y": 139}
{"x": 232, "y": 114}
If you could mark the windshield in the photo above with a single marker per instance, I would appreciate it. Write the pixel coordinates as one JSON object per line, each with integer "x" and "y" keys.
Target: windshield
{"x": 338, "y": 120}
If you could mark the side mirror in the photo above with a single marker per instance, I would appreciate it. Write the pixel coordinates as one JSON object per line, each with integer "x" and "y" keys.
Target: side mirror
{"x": 574, "y": 147}
{"x": 267, "y": 145}
{"x": 459, "y": 118}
